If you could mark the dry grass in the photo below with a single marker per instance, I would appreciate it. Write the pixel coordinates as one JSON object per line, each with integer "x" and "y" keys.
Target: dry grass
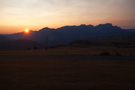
{"x": 66, "y": 74}
{"x": 93, "y": 50}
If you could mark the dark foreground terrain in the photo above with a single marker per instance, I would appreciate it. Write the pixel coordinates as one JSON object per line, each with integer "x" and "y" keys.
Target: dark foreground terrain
{"x": 66, "y": 74}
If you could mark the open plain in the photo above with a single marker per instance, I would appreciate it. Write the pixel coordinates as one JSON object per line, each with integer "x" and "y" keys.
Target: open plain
{"x": 63, "y": 72}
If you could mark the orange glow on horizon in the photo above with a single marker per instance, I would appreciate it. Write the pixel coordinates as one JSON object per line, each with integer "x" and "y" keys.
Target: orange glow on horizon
{"x": 27, "y": 31}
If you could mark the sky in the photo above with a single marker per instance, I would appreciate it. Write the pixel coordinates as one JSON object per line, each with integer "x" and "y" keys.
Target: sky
{"x": 17, "y": 15}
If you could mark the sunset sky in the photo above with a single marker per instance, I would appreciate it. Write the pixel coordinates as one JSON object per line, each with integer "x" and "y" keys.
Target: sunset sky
{"x": 17, "y": 15}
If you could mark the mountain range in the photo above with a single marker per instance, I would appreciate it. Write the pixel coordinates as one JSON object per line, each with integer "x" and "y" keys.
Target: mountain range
{"x": 66, "y": 34}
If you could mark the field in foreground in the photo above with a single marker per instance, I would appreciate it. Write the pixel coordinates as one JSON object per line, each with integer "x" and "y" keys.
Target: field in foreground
{"x": 72, "y": 50}
{"x": 66, "y": 74}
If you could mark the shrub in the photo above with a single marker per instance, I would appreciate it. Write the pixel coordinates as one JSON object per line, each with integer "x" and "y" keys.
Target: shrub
{"x": 35, "y": 48}
{"x": 105, "y": 54}
{"x": 118, "y": 54}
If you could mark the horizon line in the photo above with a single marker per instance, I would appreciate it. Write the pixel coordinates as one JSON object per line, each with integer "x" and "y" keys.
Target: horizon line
{"x": 69, "y": 26}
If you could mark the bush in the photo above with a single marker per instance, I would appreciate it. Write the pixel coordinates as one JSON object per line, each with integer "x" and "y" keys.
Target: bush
{"x": 118, "y": 54}
{"x": 35, "y": 48}
{"x": 105, "y": 54}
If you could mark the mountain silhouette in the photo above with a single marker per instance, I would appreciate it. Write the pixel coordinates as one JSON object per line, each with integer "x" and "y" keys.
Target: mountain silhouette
{"x": 67, "y": 34}
{"x": 3, "y": 38}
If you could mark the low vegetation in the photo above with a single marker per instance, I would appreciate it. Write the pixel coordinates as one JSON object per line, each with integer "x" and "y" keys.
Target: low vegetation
{"x": 105, "y": 54}
{"x": 66, "y": 74}
{"x": 75, "y": 50}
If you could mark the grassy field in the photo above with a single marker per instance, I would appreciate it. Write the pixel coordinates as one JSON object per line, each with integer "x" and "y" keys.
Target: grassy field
{"x": 68, "y": 50}
{"x": 66, "y": 74}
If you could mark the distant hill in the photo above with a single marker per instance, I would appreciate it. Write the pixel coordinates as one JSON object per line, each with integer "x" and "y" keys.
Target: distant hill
{"x": 67, "y": 34}
{"x": 131, "y": 30}
{"x": 20, "y": 44}
{"x": 119, "y": 40}
{"x": 3, "y": 38}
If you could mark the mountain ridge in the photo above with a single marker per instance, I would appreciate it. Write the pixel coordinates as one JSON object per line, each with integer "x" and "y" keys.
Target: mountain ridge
{"x": 67, "y": 34}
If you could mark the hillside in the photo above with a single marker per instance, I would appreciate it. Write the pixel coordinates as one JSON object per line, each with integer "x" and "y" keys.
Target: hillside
{"x": 67, "y": 34}
{"x": 100, "y": 34}
{"x": 117, "y": 41}
{"x": 3, "y": 38}
{"x": 20, "y": 44}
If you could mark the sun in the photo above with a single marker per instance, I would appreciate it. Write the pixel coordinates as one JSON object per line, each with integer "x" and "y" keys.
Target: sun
{"x": 26, "y": 30}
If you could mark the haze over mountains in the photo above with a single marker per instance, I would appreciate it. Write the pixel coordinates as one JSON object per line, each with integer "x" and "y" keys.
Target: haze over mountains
{"x": 63, "y": 35}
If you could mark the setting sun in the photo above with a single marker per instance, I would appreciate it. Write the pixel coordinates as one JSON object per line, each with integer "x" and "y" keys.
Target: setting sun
{"x": 27, "y": 31}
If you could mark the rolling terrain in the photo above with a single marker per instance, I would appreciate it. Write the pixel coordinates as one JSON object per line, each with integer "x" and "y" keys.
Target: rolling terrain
{"x": 68, "y": 34}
